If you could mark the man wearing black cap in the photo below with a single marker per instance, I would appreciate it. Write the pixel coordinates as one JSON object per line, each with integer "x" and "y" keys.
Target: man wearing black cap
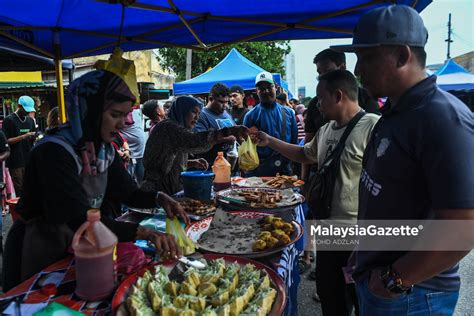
{"x": 238, "y": 110}
{"x": 417, "y": 165}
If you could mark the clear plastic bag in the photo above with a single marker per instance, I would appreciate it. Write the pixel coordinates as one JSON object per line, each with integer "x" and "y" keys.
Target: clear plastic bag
{"x": 248, "y": 156}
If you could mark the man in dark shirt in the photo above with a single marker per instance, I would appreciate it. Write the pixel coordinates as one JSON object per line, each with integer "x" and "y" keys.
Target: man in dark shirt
{"x": 19, "y": 129}
{"x": 4, "y": 154}
{"x": 214, "y": 116}
{"x": 417, "y": 166}
{"x": 238, "y": 111}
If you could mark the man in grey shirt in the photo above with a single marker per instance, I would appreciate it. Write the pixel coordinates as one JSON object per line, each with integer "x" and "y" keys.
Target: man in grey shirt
{"x": 136, "y": 138}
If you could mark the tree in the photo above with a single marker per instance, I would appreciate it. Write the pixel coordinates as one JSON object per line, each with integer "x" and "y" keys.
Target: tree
{"x": 268, "y": 55}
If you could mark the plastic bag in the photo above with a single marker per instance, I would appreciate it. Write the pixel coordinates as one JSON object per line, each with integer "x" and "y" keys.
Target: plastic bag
{"x": 173, "y": 227}
{"x": 248, "y": 156}
{"x": 130, "y": 258}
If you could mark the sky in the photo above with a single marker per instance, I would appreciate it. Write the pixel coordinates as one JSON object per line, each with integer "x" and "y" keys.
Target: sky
{"x": 435, "y": 17}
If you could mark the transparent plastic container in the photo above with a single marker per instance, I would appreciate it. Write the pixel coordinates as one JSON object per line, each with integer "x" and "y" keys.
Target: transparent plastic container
{"x": 94, "y": 251}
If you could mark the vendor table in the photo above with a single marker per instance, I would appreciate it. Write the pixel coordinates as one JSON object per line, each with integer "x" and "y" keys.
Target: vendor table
{"x": 62, "y": 273}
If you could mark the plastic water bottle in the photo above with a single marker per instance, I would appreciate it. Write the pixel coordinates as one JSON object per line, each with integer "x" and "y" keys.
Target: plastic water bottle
{"x": 221, "y": 169}
{"x": 94, "y": 252}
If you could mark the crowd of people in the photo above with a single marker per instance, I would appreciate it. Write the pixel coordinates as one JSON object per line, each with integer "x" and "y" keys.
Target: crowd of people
{"x": 406, "y": 160}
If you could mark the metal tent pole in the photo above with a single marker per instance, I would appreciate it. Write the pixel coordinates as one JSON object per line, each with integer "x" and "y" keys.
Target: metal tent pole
{"x": 59, "y": 77}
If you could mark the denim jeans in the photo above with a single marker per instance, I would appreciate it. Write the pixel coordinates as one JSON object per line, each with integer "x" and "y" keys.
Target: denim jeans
{"x": 419, "y": 302}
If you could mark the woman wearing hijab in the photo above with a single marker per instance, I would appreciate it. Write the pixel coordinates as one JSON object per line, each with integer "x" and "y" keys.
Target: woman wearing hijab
{"x": 172, "y": 140}
{"x": 73, "y": 169}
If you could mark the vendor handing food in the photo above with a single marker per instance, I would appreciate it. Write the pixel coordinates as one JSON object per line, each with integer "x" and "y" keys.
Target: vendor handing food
{"x": 73, "y": 169}
{"x": 172, "y": 140}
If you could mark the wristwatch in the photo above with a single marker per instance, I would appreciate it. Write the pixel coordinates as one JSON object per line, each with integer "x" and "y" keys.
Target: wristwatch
{"x": 393, "y": 281}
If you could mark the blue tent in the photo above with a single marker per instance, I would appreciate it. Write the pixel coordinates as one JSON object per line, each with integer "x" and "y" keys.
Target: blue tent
{"x": 74, "y": 28}
{"x": 234, "y": 69}
{"x": 454, "y": 77}
{"x": 18, "y": 60}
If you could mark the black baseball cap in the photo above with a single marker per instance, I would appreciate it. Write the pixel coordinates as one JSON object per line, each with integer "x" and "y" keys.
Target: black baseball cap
{"x": 237, "y": 88}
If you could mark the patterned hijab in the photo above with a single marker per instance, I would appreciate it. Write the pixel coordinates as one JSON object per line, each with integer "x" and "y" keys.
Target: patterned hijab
{"x": 86, "y": 100}
{"x": 181, "y": 107}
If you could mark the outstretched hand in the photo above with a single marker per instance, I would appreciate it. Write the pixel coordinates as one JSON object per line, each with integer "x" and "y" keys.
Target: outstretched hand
{"x": 260, "y": 138}
{"x": 240, "y": 132}
{"x": 172, "y": 207}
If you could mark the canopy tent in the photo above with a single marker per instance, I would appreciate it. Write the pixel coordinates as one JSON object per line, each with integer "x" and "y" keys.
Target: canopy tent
{"x": 67, "y": 29}
{"x": 63, "y": 29}
{"x": 454, "y": 77}
{"x": 17, "y": 60}
{"x": 234, "y": 69}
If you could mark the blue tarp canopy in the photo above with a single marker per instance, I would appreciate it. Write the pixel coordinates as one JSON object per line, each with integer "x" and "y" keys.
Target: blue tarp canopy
{"x": 454, "y": 77}
{"x": 17, "y": 60}
{"x": 234, "y": 69}
{"x": 73, "y": 28}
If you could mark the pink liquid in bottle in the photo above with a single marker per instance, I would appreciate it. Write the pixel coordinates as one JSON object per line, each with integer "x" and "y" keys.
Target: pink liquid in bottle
{"x": 94, "y": 252}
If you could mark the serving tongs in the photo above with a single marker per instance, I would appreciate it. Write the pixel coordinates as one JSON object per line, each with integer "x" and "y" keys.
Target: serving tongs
{"x": 177, "y": 273}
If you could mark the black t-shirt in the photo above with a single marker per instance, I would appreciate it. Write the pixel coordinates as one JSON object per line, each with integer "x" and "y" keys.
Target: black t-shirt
{"x": 419, "y": 159}
{"x": 314, "y": 119}
{"x": 3, "y": 148}
{"x": 238, "y": 115}
{"x": 53, "y": 191}
{"x": 13, "y": 127}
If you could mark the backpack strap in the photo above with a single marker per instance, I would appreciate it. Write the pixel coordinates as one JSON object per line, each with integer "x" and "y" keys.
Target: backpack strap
{"x": 62, "y": 142}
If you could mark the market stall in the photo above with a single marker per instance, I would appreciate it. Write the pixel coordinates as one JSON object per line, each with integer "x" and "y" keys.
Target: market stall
{"x": 33, "y": 293}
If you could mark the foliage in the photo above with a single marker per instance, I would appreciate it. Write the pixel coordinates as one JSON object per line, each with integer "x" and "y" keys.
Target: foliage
{"x": 268, "y": 55}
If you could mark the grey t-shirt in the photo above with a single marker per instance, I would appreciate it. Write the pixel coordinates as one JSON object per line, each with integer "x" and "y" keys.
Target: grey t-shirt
{"x": 135, "y": 136}
{"x": 345, "y": 199}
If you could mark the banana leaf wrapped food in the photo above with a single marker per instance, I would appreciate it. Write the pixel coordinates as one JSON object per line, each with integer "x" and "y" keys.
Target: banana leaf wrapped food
{"x": 219, "y": 289}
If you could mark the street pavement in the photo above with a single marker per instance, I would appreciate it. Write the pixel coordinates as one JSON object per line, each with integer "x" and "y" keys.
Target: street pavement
{"x": 307, "y": 306}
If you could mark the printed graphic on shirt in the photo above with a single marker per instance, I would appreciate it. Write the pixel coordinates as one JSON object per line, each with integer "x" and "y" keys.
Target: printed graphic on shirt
{"x": 331, "y": 143}
{"x": 371, "y": 186}
{"x": 224, "y": 123}
{"x": 383, "y": 146}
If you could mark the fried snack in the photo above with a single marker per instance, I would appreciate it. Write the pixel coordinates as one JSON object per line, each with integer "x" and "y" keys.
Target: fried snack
{"x": 288, "y": 228}
{"x": 259, "y": 245}
{"x": 269, "y": 219}
{"x": 275, "y": 233}
{"x": 278, "y": 223}
{"x": 198, "y": 207}
{"x": 281, "y": 182}
{"x": 271, "y": 242}
{"x": 264, "y": 235}
{"x": 284, "y": 240}
{"x": 262, "y": 199}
